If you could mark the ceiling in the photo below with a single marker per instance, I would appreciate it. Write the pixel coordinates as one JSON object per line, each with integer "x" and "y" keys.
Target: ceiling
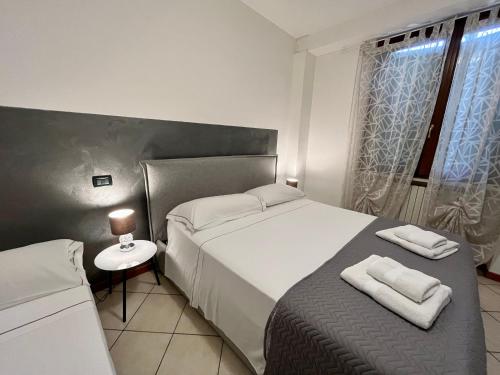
{"x": 305, "y": 17}
{"x": 301, "y": 18}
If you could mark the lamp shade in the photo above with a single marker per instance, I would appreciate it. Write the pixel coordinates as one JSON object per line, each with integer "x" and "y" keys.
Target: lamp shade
{"x": 293, "y": 182}
{"x": 122, "y": 221}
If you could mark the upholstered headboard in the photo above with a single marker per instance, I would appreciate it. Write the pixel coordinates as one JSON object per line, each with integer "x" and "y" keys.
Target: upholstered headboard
{"x": 170, "y": 182}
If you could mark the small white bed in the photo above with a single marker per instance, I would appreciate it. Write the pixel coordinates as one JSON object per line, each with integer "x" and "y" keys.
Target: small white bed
{"x": 237, "y": 271}
{"x": 56, "y": 334}
{"x": 48, "y": 319}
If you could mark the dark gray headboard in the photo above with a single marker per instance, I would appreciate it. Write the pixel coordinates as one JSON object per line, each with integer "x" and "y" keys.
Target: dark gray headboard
{"x": 48, "y": 158}
{"x": 174, "y": 181}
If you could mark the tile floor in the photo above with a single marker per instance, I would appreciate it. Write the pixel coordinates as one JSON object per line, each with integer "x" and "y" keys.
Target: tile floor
{"x": 489, "y": 294}
{"x": 164, "y": 335}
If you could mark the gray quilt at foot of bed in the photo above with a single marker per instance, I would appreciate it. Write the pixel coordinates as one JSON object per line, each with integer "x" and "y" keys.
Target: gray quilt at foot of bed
{"x": 323, "y": 325}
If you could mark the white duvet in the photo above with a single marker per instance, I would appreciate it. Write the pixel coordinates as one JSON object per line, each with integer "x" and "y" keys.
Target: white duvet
{"x": 56, "y": 334}
{"x": 236, "y": 272}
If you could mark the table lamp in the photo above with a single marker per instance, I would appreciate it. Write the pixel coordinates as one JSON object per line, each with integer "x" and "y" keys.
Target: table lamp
{"x": 293, "y": 182}
{"x": 122, "y": 223}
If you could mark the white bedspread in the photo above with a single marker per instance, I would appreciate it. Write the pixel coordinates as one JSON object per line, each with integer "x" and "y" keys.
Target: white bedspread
{"x": 56, "y": 334}
{"x": 236, "y": 272}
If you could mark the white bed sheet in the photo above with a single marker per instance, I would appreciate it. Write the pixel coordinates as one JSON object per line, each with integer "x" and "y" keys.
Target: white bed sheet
{"x": 236, "y": 272}
{"x": 56, "y": 334}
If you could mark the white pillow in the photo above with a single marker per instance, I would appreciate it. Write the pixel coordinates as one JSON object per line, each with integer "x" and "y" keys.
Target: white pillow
{"x": 276, "y": 193}
{"x": 209, "y": 212}
{"x": 37, "y": 270}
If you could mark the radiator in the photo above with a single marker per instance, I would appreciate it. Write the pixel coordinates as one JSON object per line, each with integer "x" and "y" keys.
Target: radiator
{"x": 412, "y": 208}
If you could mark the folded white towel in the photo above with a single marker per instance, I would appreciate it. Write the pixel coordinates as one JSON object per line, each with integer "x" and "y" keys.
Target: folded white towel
{"x": 421, "y": 237}
{"x": 421, "y": 314}
{"x": 409, "y": 282}
{"x": 437, "y": 253}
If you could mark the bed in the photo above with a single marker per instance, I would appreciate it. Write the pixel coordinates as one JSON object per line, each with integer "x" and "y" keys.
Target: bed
{"x": 238, "y": 273}
{"x": 56, "y": 334}
{"x": 48, "y": 319}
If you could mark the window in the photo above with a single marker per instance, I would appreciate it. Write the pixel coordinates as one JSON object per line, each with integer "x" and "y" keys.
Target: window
{"x": 472, "y": 106}
{"x": 400, "y": 86}
{"x": 457, "y": 41}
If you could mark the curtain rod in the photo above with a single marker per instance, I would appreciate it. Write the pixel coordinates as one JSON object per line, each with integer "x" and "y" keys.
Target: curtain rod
{"x": 433, "y": 23}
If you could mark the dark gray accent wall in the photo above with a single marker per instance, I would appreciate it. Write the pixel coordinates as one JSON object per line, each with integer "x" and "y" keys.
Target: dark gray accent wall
{"x": 48, "y": 158}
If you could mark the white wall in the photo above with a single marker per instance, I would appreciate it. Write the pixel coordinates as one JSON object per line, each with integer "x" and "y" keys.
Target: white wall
{"x": 389, "y": 18}
{"x": 211, "y": 61}
{"x": 301, "y": 90}
{"x": 329, "y": 135}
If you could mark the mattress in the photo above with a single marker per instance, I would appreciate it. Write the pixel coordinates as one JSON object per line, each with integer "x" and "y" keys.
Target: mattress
{"x": 55, "y": 334}
{"x": 236, "y": 272}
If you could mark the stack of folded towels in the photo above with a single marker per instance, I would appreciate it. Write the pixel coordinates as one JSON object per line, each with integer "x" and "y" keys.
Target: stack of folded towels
{"x": 415, "y": 296}
{"x": 428, "y": 244}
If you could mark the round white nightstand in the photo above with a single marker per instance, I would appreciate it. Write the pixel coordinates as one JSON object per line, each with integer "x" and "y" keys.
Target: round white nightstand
{"x": 112, "y": 259}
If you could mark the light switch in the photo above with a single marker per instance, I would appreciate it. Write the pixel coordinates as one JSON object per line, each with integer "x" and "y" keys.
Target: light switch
{"x": 99, "y": 181}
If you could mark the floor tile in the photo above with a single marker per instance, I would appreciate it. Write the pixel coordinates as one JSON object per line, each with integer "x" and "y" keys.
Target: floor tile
{"x": 110, "y": 310}
{"x": 139, "y": 352}
{"x": 231, "y": 364}
{"x": 485, "y": 281}
{"x": 192, "y": 355}
{"x": 496, "y": 289}
{"x": 495, "y": 315}
{"x": 492, "y": 332}
{"x": 493, "y": 365}
{"x": 158, "y": 313}
{"x": 99, "y": 295}
{"x": 142, "y": 283}
{"x": 166, "y": 287}
{"x": 490, "y": 301}
{"x": 192, "y": 322}
{"x": 111, "y": 336}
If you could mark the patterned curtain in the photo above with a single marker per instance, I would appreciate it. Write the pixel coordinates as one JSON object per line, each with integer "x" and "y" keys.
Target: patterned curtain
{"x": 463, "y": 194}
{"x": 397, "y": 86}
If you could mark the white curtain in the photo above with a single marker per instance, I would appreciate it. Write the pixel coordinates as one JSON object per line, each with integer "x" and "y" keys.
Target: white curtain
{"x": 397, "y": 86}
{"x": 463, "y": 193}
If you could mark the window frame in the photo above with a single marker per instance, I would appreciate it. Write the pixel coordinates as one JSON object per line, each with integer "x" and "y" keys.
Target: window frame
{"x": 429, "y": 149}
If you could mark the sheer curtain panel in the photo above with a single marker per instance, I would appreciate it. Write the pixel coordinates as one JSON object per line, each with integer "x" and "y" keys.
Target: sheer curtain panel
{"x": 397, "y": 84}
{"x": 463, "y": 193}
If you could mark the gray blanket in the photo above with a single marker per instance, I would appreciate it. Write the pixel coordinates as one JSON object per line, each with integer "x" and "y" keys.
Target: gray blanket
{"x": 323, "y": 325}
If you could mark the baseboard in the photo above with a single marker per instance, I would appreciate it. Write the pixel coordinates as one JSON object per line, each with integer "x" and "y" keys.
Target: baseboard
{"x": 117, "y": 276}
{"x": 492, "y": 276}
